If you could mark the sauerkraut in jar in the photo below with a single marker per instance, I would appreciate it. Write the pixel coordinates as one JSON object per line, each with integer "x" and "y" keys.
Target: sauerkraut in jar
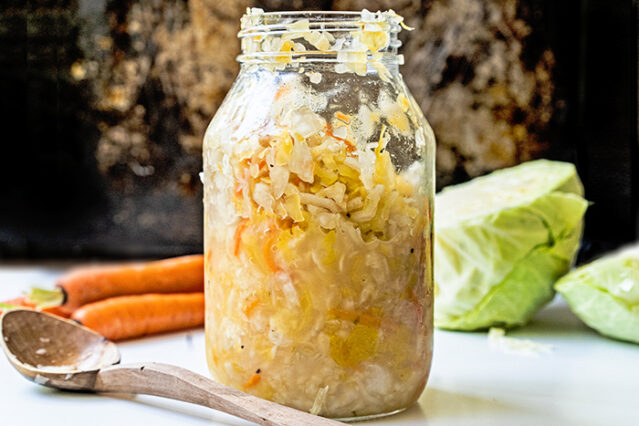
{"x": 318, "y": 180}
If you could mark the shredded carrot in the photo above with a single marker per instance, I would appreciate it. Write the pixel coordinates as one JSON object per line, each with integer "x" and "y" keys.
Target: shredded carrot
{"x": 237, "y": 190}
{"x": 281, "y": 91}
{"x": 341, "y": 116}
{"x": 268, "y": 252}
{"x": 349, "y": 145}
{"x": 237, "y": 238}
{"x": 254, "y": 380}
{"x": 244, "y": 164}
{"x": 248, "y": 308}
{"x": 329, "y": 131}
{"x": 264, "y": 140}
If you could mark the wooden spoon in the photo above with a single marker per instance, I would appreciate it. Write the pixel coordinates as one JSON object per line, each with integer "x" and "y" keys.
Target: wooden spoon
{"x": 62, "y": 354}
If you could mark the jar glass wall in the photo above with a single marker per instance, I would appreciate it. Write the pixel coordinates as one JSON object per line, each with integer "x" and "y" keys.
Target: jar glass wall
{"x": 318, "y": 180}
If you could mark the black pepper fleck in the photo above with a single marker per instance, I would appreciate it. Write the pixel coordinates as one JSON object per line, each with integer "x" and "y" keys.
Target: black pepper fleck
{"x": 348, "y": 215}
{"x": 259, "y": 370}
{"x": 412, "y": 250}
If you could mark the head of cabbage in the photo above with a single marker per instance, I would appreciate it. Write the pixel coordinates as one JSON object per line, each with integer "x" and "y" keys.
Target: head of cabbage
{"x": 501, "y": 242}
{"x": 605, "y": 294}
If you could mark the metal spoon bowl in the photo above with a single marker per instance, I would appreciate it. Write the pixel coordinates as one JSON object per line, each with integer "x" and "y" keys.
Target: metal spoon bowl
{"x": 62, "y": 354}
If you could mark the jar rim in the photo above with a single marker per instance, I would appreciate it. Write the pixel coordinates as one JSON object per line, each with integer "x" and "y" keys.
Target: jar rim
{"x": 253, "y": 22}
{"x": 311, "y": 12}
{"x": 319, "y": 35}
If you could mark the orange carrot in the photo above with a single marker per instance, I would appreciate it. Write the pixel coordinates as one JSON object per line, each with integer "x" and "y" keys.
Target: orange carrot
{"x": 250, "y": 305}
{"x": 237, "y": 190}
{"x": 10, "y": 304}
{"x": 19, "y": 301}
{"x": 125, "y": 317}
{"x": 237, "y": 238}
{"x": 176, "y": 275}
{"x": 281, "y": 91}
{"x": 24, "y": 302}
{"x": 255, "y": 379}
{"x": 55, "y": 310}
{"x": 349, "y": 145}
{"x": 341, "y": 116}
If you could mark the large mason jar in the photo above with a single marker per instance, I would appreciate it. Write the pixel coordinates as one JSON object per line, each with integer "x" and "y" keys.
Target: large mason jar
{"x": 318, "y": 181}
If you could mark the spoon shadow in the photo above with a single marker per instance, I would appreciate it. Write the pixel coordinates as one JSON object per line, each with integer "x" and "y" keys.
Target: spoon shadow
{"x": 195, "y": 412}
{"x": 183, "y": 409}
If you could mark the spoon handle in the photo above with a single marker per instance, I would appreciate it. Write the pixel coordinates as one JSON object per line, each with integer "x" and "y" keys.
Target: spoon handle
{"x": 178, "y": 383}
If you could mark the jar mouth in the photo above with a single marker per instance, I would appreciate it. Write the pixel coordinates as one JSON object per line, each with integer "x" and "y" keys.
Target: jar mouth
{"x": 320, "y": 36}
{"x": 256, "y": 22}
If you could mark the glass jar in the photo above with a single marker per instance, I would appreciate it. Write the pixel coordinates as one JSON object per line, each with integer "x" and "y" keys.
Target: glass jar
{"x": 318, "y": 182}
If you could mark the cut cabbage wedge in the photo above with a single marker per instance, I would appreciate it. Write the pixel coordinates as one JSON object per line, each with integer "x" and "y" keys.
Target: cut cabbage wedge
{"x": 605, "y": 294}
{"x": 501, "y": 242}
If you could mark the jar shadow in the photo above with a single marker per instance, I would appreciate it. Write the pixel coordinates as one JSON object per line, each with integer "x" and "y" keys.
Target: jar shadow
{"x": 438, "y": 406}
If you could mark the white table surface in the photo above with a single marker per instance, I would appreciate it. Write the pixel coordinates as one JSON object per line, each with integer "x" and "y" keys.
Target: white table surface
{"x": 585, "y": 380}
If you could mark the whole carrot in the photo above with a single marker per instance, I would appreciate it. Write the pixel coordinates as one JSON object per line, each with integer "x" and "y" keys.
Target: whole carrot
{"x": 183, "y": 274}
{"x": 24, "y": 302}
{"x": 125, "y": 317}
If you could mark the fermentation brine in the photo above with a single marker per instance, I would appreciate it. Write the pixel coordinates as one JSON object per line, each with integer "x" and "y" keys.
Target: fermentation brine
{"x": 318, "y": 183}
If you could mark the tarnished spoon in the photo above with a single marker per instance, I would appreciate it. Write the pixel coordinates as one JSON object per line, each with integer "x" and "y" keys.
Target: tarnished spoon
{"x": 62, "y": 354}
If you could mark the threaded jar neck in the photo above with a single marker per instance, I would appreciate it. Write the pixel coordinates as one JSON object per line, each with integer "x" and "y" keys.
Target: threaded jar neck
{"x": 339, "y": 37}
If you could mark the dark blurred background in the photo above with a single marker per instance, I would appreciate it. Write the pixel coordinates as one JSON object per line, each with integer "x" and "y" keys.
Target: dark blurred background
{"x": 104, "y": 104}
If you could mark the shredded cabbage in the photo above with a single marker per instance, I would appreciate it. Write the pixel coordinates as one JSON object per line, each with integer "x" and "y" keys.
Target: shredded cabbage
{"x": 512, "y": 345}
{"x": 323, "y": 273}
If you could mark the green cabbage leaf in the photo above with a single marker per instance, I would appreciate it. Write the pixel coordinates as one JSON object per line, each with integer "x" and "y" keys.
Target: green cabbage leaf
{"x": 605, "y": 294}
{"x": 502, "y": 241}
